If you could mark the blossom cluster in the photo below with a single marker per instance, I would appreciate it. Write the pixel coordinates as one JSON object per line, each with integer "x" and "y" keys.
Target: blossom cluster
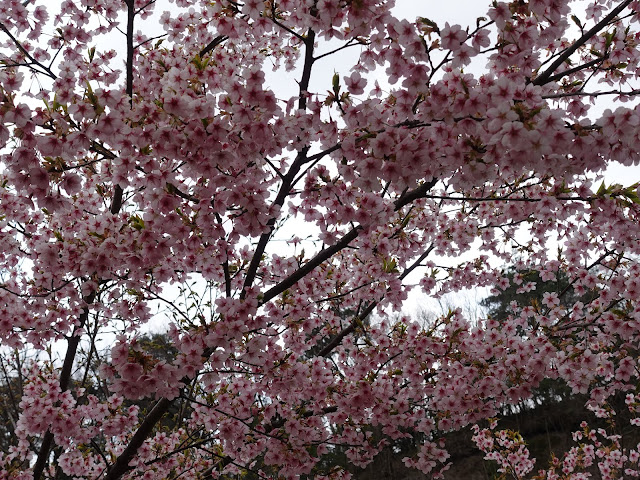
{"x": 292, "y": 221}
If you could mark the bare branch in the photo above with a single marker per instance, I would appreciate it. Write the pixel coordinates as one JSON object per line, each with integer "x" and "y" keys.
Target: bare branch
{"x": 288, "y": 179}
{"x": 17, "y": 43}
{"x": 121, "y": 466}
{"x": 65, "y": 377}
{"x": 358, "y": 319}
{"x": 545, "y": 77}
{"x": 213, "y": 44}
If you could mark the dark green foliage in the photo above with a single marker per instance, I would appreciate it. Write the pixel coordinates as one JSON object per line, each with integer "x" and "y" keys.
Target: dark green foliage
{"x": 498, "y": 305}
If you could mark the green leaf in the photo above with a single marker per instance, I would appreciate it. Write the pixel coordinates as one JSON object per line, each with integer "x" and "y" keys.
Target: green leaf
{"x": 93, "y": 99}
{"x": 200, "y": 63}
{"x": 431, "y": 24}
{"x": 389, "y": 265}
{"x": 136, "y": 222}
{"x": 335, "y": 82}
{"x": 608, "y": 37}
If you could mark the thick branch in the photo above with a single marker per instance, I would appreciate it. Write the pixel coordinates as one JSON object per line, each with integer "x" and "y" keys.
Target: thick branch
{"x": 577, "y": 68}
{"x": 545, "y": 77}
{"x": 213, "y": 44}
{"x": 337, "y": 340}
{"x": 153, "y": 417}
{"x": 288, "y": 180}
{"x": 285, "y": 188}
{"x": 415, "y": 194}
{"x": 116, "y": 203}
{"x": 308, "y": 267}
{"x": 328, "y": 252}
{"x": 65, "y": 377}
{"x": 306, "y": 71}
{"x": 130, "y": 51}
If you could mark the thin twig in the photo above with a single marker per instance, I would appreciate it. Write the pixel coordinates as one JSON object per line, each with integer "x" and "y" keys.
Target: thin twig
{"x": 26, "y": 53}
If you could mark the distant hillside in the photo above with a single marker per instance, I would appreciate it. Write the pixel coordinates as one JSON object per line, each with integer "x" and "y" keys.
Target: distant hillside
{"x": 547, "y": 428}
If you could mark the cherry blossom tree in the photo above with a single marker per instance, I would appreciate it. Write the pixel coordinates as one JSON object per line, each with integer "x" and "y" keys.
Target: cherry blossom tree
{"x": 444, "y": 153}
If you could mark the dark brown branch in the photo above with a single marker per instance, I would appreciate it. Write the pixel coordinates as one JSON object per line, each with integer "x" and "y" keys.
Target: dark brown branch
{"x": 121, "y": 466}
{"x": 350, "y": 43}
{"x": 274, "y": 168}
{"x": 570, "y": 71}
{"x": 43, "y": 455}
{"x": 287, "y": 181}
{"x": 501, "y": 199}
{"x": 12, "y": 397}
{"x": 213, "y": 44}
{"x": 417, "y": 263}
{"x": 131, "y": 14}
{"x": 281, "y": 421}
{"x": 338, "y": 296}
{"x": 17, "y": 43}
{"x": 273, "y": 17}
{"x": 308, "y": 267}
{"x": 328, "y": 252}
{"x": 227, "y": 278}
{"x": 284, "y": 191}
{"x": 136, "y": 47}
{"x": 314, "y": 159}
{"x": 116, "y": 202}
{"x": 337, "y": 340}
{"x": 98, "y": 148}
{"x": 306, "y": 71}
{"x": 65, "y": 377}
{"x": 178, "y": 450}
{"x": 545, "y": 76}
{"x": 358, "y": 319}
{"x": 415, "y": 194}
{"x": 628, "y": 93}
{"x": 144, "y": 6}
{"x": 173, "y": 189}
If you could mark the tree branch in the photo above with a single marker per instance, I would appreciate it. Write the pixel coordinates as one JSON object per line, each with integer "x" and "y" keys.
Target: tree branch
{"x": 629, "y": 93}
{"x": 65, "y": 378}
{"x": 306, "y": 71}
{"x": 308, "y": 267}
{"x": 121, "y": 466}
{"x": 213, "y": 44}
{"x": 328, "y": 348}
{"x": 545, "y": 77}
{"x": 47, "y": 70}
{"x": 131, "y": 14}
{"x": 577, "y": 68}
{"x": 328, "y": 252}
{"x": 288, "y": 179}
{"x": 415, "y": 194}
{"x": 116, "y": 202}
{"x": 350, "y": 43}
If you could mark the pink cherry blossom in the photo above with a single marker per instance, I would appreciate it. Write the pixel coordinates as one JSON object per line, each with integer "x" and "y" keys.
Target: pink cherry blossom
{"x": 272, "y": 231}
